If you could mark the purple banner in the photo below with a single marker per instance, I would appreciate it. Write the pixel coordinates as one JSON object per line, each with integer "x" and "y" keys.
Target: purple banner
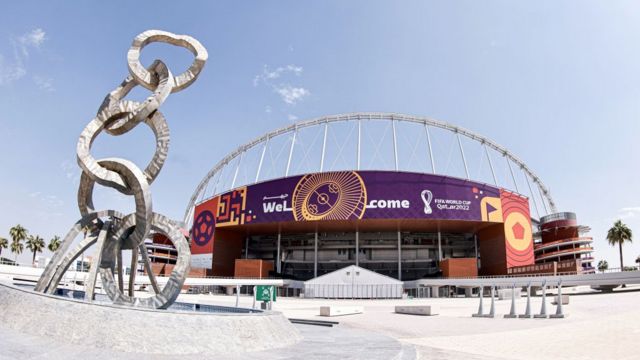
{"x": 349, "y": 195}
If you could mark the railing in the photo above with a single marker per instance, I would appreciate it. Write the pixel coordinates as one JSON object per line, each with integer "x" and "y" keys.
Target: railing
{"x": 564, "y": 252}
{"x": 615, "y": 270}
{"x": 563, "y": 242}
{"x": 558, "y": 216}
{"x": 504, "y": 276}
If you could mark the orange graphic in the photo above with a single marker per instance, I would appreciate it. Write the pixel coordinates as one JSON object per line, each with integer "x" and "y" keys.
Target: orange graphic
{"x": 517, "y": 229}
{"x": 231, "y": 208}
{"x": 491, "y": 209}
{"x": 329, "y": 196}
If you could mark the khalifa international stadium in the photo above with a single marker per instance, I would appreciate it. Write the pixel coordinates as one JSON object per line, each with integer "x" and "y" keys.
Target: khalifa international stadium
{"x": 404, "y": 196}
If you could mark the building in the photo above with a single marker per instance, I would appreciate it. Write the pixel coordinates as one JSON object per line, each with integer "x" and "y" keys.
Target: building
{"x": 562, "y": 240}
{"x": 403, "y": 196}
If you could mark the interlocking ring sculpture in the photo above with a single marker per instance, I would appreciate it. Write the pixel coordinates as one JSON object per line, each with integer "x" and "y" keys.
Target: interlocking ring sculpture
{"x": 112, "y": 231}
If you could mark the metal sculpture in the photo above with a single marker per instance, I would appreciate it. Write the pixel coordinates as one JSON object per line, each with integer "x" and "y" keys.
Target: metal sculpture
{"x": 110, "y": 231}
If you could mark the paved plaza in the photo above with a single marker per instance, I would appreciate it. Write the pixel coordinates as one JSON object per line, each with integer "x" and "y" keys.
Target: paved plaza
{"x": 597, "y": 326}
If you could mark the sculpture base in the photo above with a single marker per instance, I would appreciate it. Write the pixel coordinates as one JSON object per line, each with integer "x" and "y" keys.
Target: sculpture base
{"x": 137, "y": 330}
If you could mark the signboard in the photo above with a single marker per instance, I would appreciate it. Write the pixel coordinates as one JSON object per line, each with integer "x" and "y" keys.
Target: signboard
{"x": 202, "y": 233}
{"x": 265, "y": 293}
{"x": 351, "y": 195}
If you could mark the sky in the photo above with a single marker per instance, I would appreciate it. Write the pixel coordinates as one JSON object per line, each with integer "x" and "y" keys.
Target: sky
{"x": 555, "y": 82}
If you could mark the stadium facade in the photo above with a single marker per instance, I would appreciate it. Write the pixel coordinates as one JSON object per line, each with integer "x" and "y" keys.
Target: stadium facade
{"x": 404, "y": 196}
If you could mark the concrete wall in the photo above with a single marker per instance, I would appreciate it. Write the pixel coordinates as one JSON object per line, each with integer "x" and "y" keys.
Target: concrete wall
{"x": 142, "y": 331}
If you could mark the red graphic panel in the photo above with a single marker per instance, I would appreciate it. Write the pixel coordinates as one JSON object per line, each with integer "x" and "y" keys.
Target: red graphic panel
{"x": 204, "y": 224}
{"x": 517, "y": 229}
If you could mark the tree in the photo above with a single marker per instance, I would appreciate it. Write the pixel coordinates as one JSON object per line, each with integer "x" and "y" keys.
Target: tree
{"x": 638, "y": 260}
{"x": 16, "y": 248}
{"x": 617, "y": 235}
{"x": 54, "y": 244}
{"x": 4, "y": 243}
{"x": 35, "y": 244}
{"x": 17, "y": 233}
{"x": 603, "y": 265}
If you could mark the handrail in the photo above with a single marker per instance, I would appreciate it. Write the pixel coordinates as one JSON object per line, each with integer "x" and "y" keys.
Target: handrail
{"x": 564, "y": 252}
{"x": 568, "y": 240}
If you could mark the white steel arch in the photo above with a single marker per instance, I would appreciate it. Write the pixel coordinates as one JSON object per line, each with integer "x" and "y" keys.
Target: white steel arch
{"x": 291, "y": 133}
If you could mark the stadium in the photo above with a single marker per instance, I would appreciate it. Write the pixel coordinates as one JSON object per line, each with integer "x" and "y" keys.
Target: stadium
{"x": 403, "y": 196}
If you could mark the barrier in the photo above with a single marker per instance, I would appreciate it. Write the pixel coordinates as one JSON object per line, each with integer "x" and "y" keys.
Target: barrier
{"x": 340, "y": 310}
{"x": 527, "y": 311}
{"x": 512, "y": 313}
{"x": 559, "y": 314}
{"x": 480, "y": 312}
{"x": 543, "y": 307}
{"x": 425, "y": 310}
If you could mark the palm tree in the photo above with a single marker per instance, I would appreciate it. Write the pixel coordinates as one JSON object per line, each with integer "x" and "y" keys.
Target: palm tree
{"x": 35, "y": 244}
{"x": 603, "y": 265}
{"x": 54, "y": 244}
{"x": 4, "y": 243}
{"x": 16, "y": 248}
{"x": 617, "y": 235}
{"x": 17, "y": 233}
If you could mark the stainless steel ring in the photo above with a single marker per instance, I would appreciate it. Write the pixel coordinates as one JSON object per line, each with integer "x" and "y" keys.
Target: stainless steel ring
{"x": 130, "y": 173}
{"x": 182, "y": 81}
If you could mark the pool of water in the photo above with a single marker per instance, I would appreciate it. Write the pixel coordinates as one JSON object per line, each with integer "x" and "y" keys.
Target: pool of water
{"x": 177, "y": 306}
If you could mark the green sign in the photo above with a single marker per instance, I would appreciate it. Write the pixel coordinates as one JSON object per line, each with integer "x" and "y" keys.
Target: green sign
{"x": 265, "y": 293}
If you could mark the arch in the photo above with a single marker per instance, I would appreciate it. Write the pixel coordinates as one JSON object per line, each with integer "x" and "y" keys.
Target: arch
{"x": 368, "y": 116}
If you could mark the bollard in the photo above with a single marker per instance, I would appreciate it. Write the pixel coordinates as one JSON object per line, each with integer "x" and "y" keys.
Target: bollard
{"x": 543, "y": 308}
{"x": 512, "y": 313}
{"x": 559, "y": 314}
{"x": 492, "y": 310}
{"x": 480, "y": 309}
{"x": 527, "y": 312}
{"x": 237, "y": 295}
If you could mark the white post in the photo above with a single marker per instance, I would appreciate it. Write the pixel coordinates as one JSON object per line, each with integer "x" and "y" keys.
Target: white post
{"x": 542, "y": 198}
{"x": 235, "y": 174}
{"x": 293, "y": 142}
{"x": 535, "y": 204}
{"x": 464, "y": 160}
{"x": 359, "y": 142}
{"x": 395, "y": 143}
{"x": 433, "y": 164}
{"x": 264, "y": 149}
{"x": 493, "y": 173}
{"x": 324, "y": 146}
{"x": 254, "y": 297}
{"x": 215, "y": 187}
{"x": 512, "y": 176}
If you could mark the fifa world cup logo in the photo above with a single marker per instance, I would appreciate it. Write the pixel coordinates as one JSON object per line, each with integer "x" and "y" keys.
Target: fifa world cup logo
{"x": 427, "y": 196}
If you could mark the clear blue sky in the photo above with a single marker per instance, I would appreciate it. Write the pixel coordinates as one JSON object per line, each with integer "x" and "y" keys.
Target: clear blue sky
{"x": 556, "y": 82}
